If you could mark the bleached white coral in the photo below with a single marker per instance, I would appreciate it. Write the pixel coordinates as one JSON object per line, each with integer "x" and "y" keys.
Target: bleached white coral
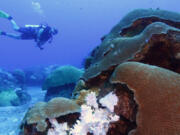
{"x": 93, "y": 119}
{"x": 91, "y": 100}
{"x": 109, "y": 101}
{"x": 58, "y": 129}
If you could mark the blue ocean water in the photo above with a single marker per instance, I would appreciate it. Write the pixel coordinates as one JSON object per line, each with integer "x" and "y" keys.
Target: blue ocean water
{"x": 81, "y": 24}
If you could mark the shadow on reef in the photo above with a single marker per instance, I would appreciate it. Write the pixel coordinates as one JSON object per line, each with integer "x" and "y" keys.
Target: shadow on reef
{"x": 139, "y": 61}
{"x": 60, "y": 91}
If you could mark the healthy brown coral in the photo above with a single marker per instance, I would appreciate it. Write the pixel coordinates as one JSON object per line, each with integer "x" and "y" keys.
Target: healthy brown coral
{"x": 36, "y": 119}
{"x": 135, "y": 21}
{"x": 157, "y": 93}
{"x": 124, "y": 49}
{"x": 135, "y": 38}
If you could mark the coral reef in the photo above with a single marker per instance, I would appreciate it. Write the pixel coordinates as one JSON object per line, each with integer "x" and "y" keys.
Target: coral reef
{"x": 61, "y": 76}
{"x": 80, "y": 99}
{"x": 157, "y": 93}
{"x": 93, "y": 120}
{"x": 135, "y": 22}
{"x": 139, "y": 62}
{"x": 35, "y": 76}
{"x": 151, "y": 37}
{"x": 36, "y": 119}
{"x": 117, "y": 48}
{"x": 8, "y": 97}
{"x": 79, "y": 86}
{"x": 156, "y": 36}
{"x": 61, "y": 82}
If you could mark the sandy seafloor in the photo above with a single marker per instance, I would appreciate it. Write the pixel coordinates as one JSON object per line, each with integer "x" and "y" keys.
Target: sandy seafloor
{"x": 11, "y": 117}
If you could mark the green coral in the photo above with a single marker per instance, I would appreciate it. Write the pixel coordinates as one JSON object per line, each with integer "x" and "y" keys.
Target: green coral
{"x": 7, "y": 97}
{"x": 62, "y": 76}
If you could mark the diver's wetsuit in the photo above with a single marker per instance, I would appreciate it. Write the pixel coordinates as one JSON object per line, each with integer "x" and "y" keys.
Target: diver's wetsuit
{"x": 40, "y": 33}
{"x": 33, "y": 32}
{"x": 28, "y": 32}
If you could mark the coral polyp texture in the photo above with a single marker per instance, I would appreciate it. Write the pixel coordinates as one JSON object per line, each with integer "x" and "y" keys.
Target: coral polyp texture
{"x": 157, "y": 92}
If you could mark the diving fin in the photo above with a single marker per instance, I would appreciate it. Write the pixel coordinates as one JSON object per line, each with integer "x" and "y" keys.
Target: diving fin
{"x": 4, "y": 15}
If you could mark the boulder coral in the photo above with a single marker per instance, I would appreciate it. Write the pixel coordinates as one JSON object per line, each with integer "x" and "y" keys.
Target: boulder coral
{"x": 157, "y": 93}
{"x": 61, "y": 82}
{"x": 36, "y": 119}
{"x": 158, "y": 34}
{"x": 135, "y": 21}
{"x": 139, "y": 60}
{"x": 62, "y": 76}
{"x": 7, "y": 98}
{"x": 135, "y": 48}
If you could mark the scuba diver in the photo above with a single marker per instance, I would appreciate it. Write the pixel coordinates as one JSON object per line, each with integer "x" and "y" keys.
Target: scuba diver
{"x": 40, "y": 33}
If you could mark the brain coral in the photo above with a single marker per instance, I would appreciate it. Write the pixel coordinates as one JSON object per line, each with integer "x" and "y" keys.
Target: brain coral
{"x": 157, "y": 93}
{"x": 61, "y": 76}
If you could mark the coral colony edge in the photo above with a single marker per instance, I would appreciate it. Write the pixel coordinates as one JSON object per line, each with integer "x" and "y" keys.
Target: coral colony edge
{"x": 130, "y": 84}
